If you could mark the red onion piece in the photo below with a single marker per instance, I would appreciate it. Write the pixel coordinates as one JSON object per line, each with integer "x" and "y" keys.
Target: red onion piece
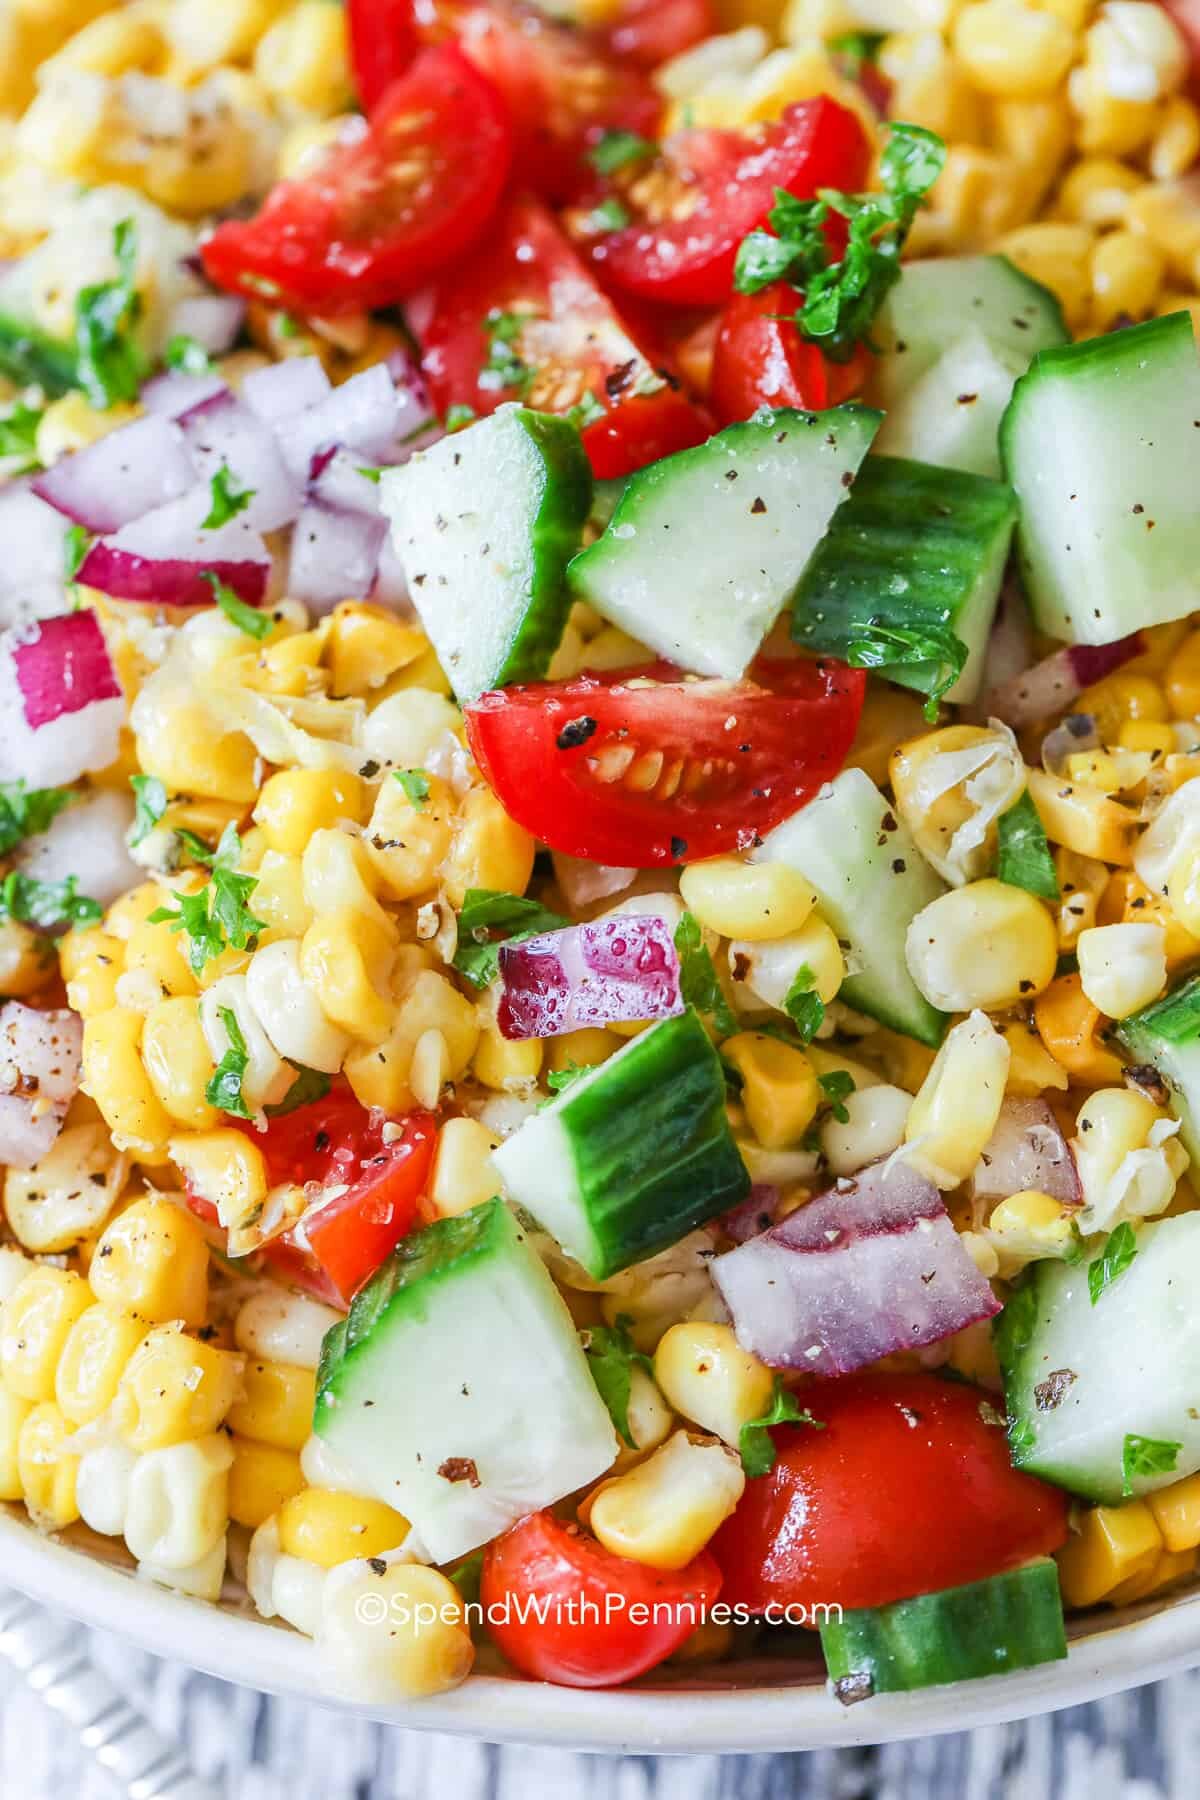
{"x": 210, "y": 320}
{"x": 34, "y": 538}
{"x": 162, "y": 557}
{"x": 1027, "y": 1150}
{"x": 363, "y": 415}
{"x": 338, "y": 481}
{"x": 174, "y": 392}
{"x": 334, "y": 555}
{"x": 40, "y": 1055}
{"x": 871, "y": 1267}
{"x": 61, "y": 705}
{"x": 1052, "y": 685}
{"x": 1076, "y": 733}
{"x": 583, "y": 882}
{"x": 391, "y": 583}
{"x": 609, "y": 972}
{"x": 755, "y": 1214}
{"x": 285, "y": 388}
{"x": 222, "y": 433}
{"x": 87, "y": 840}
{"x": 126, "y": 474}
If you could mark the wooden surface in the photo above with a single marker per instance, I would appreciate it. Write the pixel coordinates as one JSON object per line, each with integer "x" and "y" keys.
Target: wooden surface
{"x": 1139, "y": 1746}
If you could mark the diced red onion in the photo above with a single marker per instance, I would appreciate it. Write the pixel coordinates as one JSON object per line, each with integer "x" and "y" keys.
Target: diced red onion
{"x": 334, "y": 555}
{"x": 174, "y": 392}
{"x": 391, "y": 583}
{"x": 1027, "y": 1150}
{"x": 608, "y": 972}
{"x": 869, "y": 1268}
{"x": 61, "y": 706}
{"x": 583, "y": 883}
{"x": 754, "y": 1215}
{"x": 1052, "y": 685}
{"x": 162, "y": 557}
{"x": 40, "y": 1055}
{"x": 338, "y": 481}
{"x": 25, "y": 1137}
{"x": 210, "y": 320}
{"x": 1008, "y": 654}
{"x": 87, "y": 840}
{"x": 34, "y": 537}
{"x": 126, "y": 474}
{"x": 285, "y": 388}
{"x": 363, "y": 415}
{"x": 222, "y": 433}
{"x": 1076, "y": 733}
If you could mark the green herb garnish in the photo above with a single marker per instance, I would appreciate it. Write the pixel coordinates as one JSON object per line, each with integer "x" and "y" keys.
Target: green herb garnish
{"x": 612, "y": 1358}
{"x": 882, "y": 646}
{"x": 186, "y": 355}
{"x": 18, "y": 437}
{"x": 755, "y": 1444}
{"x": 24, "y": 812}
{"x": 1024, "y": 859}
{"x": 803, "y": 1005}
{"x": 698, "y": 982}
{"x": 110, "y": 361}
{"x": 613, "y": 149}
{"x": 149, "y": 805}
{"x": 309, "y": 1085}
{"x": 218, "y": 917}
{"x": 585, "y": 412}
{"x": 488, "y": 920}
{"x": 504, "y": 367}
{"x": 609, "y": 215}
{"x": 837, "y": 1086}
{"x": 47, "y": 905}
{"x": 227, "y": 501}
{"x": 859, "y": 50}
{"x": 415, "y": 783}
{"x": 225, "y": 1088}
{"x": 1120, "y": 1248}
{"x": 1146, "y": 1456}
{"x": 459, "y": 416}
{"x": 558, "y": 1080}
{"x": 250, "y": 619}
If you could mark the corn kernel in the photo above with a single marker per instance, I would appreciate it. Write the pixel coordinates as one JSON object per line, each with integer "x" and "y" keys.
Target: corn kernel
{"x": 463, "y": 1172}
{"x": 489, "y": 850}
{"x": 152, "y": 1260}
{"x": 330, "y": 1528}
{"x": 1176, "y": 1512}
{"x": 1168, "y": 213}
{"x": 34, "y": 1325}
{"x": 1057, "y": 255}
{"x": 14, "y": 1410}
{"x": 780, "y": 1091}
{"x": 225, "y": 1168}
{"x": 379, "y": 1073}
{"x": 179, "y": 745}
{"x": 276, "y": 1405}
{"x": 115, "y": 1078}
{"x": 873, "y": 1126}
{"x": 177, "y": 1511}
{"x": 955, "y": 1112}
{"x": 408, "y": 840}
{"x": 1122, "y": 967}
{"x": 46, "y": 1470}
{"x": 664, "y": 1511}
{"x": 1067, "y": 1024}
{"x": 1031, "y": 1224}
{"x": 410, "y": 1658}
{"x": 366, "y": 644}
{"x": 93, "y": 1359}
{"x": 1112, "y": 1544}
{"x": 178, "y": 1061}
{"x": 173, "y": 1388}
{"x": 1176, "y": 144}
{"x": 346, "y": 958}
{"x": 709, "y": 1379}
{"x": 405, "y": 729}
{"x": 1031, "y": 1069}
{"x": 507, "y": 1065}
{"x": 1107, "y": 125}
{"x": 756, "y": 901}
{"x": 1012, "y": 51}
{"x": 1127, "y": 272}
{"x": 1145, "y": 734}
{"x": 1083, "y": 819}
{"x": 987, "y": 945}
{"x": 939, "y": 781}
{"x": 303, "y": 59}
{"x": 295, "y": 803}
{"x": 261, "y": 1478}
{"x": 584, "y": 1049}
{"x": 1096, "y": 191}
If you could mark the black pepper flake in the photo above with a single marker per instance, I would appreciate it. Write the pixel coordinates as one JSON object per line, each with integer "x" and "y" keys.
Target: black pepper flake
{"x": 576, "y": 732}
{"x": 678, "y": 849}
{"x": 377, "y": 1565}
{"x": 759, "y": 505}
{"x": 1049, "y": 1393}
{"x": 369, "y": 770}
{"x": 618, "y": 379}
{"x": 899, "y": 865}
{"x": 459, "y": 1468}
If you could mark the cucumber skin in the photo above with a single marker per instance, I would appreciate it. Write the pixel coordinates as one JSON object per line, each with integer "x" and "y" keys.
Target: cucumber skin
{"x": 565, "y": 505}
{"x": 30, "y": 358}
{"x": 989, "y": 1627}
{"x": 1146, "y": 1035}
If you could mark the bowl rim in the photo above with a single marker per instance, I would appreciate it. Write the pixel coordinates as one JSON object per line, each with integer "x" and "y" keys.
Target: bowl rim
{"x": 1111, "y": 1653}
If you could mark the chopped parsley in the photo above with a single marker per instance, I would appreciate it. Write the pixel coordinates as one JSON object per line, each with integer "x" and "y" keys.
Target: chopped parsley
{"x": 612, "y": 1358}
{"x": 459, "y": 416}
{"x": 309, "y": 1085}
{"x": 698, "y": 981}
{"x": 615, "y": 149}
{"x": 803, "y": 1005}
{"x": 225, "y": 1088}
{"x": 755, "y": 1445}
{"x": 858, "y": 50}
{"x": 1146, "y": 1456}
{"x": 26, "y": 811}
{"x": 186, "y": 355}
{"x": 149, "y": 805}
{"x": 18, "y": 437}
{"x": 504, "y": 368}
{"x": 110, "y": 360}
{"x": 415, "y": 783}
{"x": 227, "y": 501}
{"x": 1120, "y": 1248}
{"x": 585, "y": 412}
{"x": 609, "y": 215}
{"x": 47, "y": 905}
{"x": 489, "y": 919}
{"x": 1024, "y": 859}
{"x": 250, "y": 619}
{"x": 219, "y": 916}
{"x": 882, "y": 646}
{"x": 837, "y": 1086}
{"x": 559, "y": 1079}
{"x": 75, "y": 548}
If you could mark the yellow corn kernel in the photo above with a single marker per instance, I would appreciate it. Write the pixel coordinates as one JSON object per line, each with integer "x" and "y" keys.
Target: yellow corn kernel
{"x": 463, "y": 1172}
{"x": 276, "y": 1404}
{"x": 1127, "y": 272}
{"x": 279, "y": 898}
{"x": 490, "y": 850}
{"x": 297, "y": 802}
{"x": 709, "y": 1379}
{"x": 72, "y": 424}
{"x": 206, "y": 33}
{"x": 1057, "y": 255}
{"x": 1122, "y": 967}
{"x": 404, "y": 1656}
{"x": 1111, "y": 1125}
{"x": 379, "y": 1073}
{"x": 1138, "y": 49}
{"x": 34, "y": 1325}
{"x": 327, "y": 1528}
{"x": 1032, "y": 1224}
{"x": 1082, "y": 882}
{"x": 179, "y": 744}
{"x": 1067, "y": 1024}
{"x": 1182, "y": 679}
{"x": 1112, "y": 1544}
{"x": 1176, "y": 1512}
{"x": 1169, "y": 214}
{"x": 156, "y": 952}
{"x": 928, "y": 86}
{"x": 24, "y": 961}
{"x": 114, "y": 44}
{"x": 955, "y": 1111}
{"x": 304, "y": 146}
{"x": 346, "y": 958}
{"x": 1128, "y": 899}
{"x": 1031, "y": 1068}
{"x": 152, "y": 1260}
{"x": 987, "y": 945}
{"x": 613, "y": 648}
{"x": 1012, "y": 51}
{"x": 93, "y": 1359}
{"x": 115, "y": 1078}
{"x": 46, "y": 1470}
{"x": 1106, "y": 124}
{"x": 408, "y": 839}
{"x": 1036, "y": 135}
{"x": 179, "y": 1062}
{"x": 286, "y": 665}
{"x": 664, "y": 1511}
{"x": 1176, "y": 144}
{"x": 1168, "y": 1568}
{"x": 1120, "y": 697}
{"x": 366, "y": 644}
{"x": 91, "y": 963}
{"x": 303, "y": 59}
{"x": 14, "y": 1410}
{"x": 1083, "y": 819}
{"x": 506, "y": 1065}
{"x": 755, "y": 901}
{"x": 173, "y": 1388}
{"x": 1144, "y": 734}
{"x": 133, "y": 909}
{"x": 780, "y": 1091}
{"x": 890, "y": 716}
{"x": 1096, "y": 191}
{"x": 339, "y": 873}
{"x": 261, "y": 1479}
{"x": 583, "y": 1049}
{"x": 225, "y": 1168}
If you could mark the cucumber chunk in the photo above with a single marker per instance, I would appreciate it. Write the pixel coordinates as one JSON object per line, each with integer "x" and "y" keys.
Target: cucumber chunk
{"x": 456, "y": 1389}
{"x": 1009, "y": 1621}
{"x": 1081, "y": 1378}
{"x": 705, "y": 548}
{"x": 872, "y": 880}
{"x": 1101, "y": 442}
{"x": 1167, "y": 1036}
{"x": 485, "y": 523}
{"x": 913, "y": 546}
{"x": 632, "y": 1156}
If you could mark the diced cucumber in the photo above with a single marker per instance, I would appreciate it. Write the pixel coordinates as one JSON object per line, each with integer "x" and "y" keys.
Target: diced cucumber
{"x": 1167, "y": 1036}
{"x": 952, "y": 414}
{"x": 456, "y": 1389}
{"x": 1101, "y": 442}
{"x": 913, "y": 546}
{"x": 632, "y": 1156}
{"x": 485, "y": 523}
{"x": 1080, "y": 1379}
{"x": 1009, "y": 1621}
{"x": 31, "y": 358}
{"x": 706, "y": 547}
{"x": 872, "y": 880}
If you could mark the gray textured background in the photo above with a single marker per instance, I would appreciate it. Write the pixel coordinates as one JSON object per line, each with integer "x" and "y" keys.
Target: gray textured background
{"x": 1139, "y": 1746}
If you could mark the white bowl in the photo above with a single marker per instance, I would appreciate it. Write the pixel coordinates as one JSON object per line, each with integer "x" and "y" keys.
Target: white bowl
{"x": 775, "y": 1705}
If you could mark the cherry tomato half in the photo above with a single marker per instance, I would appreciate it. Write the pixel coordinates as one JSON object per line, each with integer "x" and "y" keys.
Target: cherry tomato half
{"x": 650, "y": 32}
{"x": 582, "y": 1623}
{"x": 381, "y": 214}
{"x": 761, "y": 359}
{"x": 908, "y": 1489}
{"x": 717, "y": 785}
{"x": 383, "y": 41}
{"x": 563, "y": 345}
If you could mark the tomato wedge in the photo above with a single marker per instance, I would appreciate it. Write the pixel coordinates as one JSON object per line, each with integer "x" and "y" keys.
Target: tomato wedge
{"x": 761, "y": 359}
{"x": 383, "y": 41}
{"x": 711, "y": 187}
{"x": 664, "y": 769}
{"x": 650, "y": 32}
{"x": 908, "y": 1489}
{"x": 378, "y": 216}
{"x": 563, "y": 1608}
{"x": 563, "y": 345}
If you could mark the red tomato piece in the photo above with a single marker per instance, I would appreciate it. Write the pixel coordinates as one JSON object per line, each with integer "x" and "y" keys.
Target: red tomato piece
{"x": 715, "y": 186}
{"x": 589, "y": 1628}
{"x": 380, "y": 215}
{"x": 383, "y": 41}
{"x": 908, "y": 1489}
{"x": 761, "y": 359}
{"x": 650, "y": 32}
{"x": 1186, "y": 14}
{"x": 717, "y": 787}
{"x": 570, "y": 344}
